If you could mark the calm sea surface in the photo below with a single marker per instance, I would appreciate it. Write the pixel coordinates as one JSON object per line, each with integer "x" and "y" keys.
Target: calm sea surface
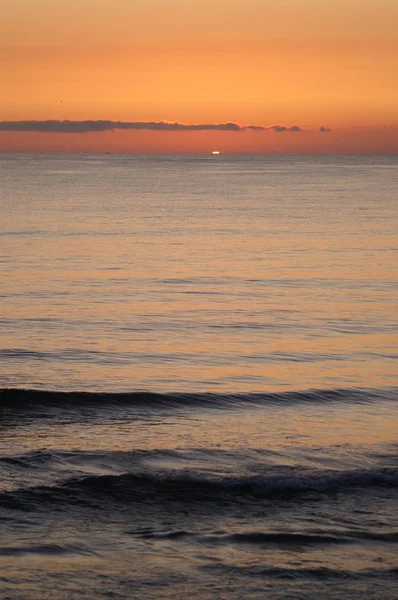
{"x": 198, "y": 377}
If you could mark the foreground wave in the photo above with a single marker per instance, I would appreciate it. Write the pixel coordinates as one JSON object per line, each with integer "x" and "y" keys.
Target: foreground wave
{"x": 13, "y": 399}
{"x": 191, "y": 489}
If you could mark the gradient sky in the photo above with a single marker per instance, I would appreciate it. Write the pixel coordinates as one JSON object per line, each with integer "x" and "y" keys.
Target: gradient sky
{"x": 311, "y": 63}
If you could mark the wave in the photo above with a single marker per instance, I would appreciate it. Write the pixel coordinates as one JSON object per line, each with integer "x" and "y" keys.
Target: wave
{"x": 310, "y": 573}
{"x": 285, "y": 538}
{"x": 190, "y": 489}
{"x": 13, "y": 399}
{"x": 44, "y": 550}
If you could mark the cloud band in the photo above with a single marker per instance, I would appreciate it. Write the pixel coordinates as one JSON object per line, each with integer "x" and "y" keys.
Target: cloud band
{"x": 53, "y": 126}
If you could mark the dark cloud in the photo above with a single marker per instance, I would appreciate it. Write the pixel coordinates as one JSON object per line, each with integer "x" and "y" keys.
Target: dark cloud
{"x": 96, "y": 126}
{"x": 282, "y": 129}
{"x": 324, "y": 129}
{"x": 254, "y": 128}
{"x": 52, "y": 126}
{"x": 57, "y": 126}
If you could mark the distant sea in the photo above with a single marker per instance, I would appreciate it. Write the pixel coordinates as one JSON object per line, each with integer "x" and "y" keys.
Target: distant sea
{"x": 198, "y": 377}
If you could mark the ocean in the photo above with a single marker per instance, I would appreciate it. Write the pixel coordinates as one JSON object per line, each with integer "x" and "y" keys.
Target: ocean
{"x": 198, "y": 377}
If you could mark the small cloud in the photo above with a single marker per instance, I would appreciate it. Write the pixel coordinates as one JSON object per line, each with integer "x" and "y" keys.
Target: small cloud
{"x": 254, "y": 128}
{"x": 324, "y": 129}
{"x": 277, "y": 128}
{"x": 295, "y": 128}
{"x": 282, "y": 128}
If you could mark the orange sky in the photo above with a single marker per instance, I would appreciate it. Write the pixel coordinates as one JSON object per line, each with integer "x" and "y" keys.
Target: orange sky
{"x": 253, "y": 62}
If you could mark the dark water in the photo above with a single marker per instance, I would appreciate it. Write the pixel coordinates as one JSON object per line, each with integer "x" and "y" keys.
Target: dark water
{"x": 198, "y": 373}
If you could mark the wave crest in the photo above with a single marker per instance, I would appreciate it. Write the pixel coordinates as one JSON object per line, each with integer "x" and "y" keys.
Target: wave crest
{"x": 13, "y": 399}
{"x": 95, "y": 490}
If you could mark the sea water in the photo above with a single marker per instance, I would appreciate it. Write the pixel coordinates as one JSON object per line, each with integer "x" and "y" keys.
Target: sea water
{"x": 198, "y": 377}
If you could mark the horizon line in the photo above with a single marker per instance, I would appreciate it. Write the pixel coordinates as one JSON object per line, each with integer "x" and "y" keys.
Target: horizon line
{"x": 209, "y": 153}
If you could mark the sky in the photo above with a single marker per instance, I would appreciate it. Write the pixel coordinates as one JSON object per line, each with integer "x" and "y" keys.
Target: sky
{"x": 309, "y": 75}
